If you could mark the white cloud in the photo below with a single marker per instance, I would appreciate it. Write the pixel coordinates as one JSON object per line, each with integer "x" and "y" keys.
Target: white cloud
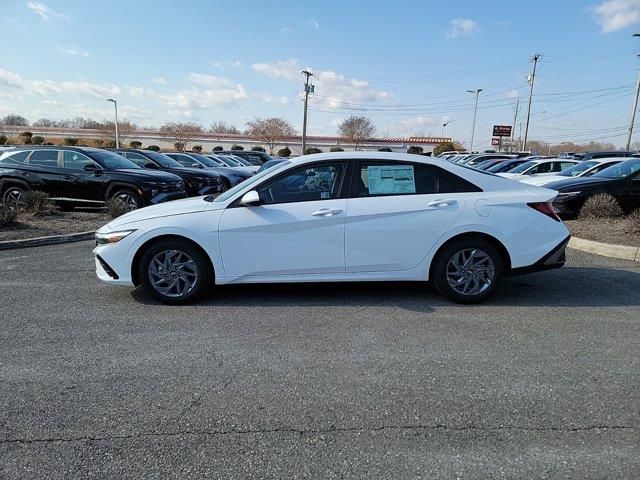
{"x": 314, "y": 23}
{"x": 49, "y": 87}
{"x": 614, "y": 15}
{"x": 214, "y": 91}
{"x": 272, "y": 99}
{"x": 512, "y": 93}
{"x": 76, "y": 52}
{"x": 283, "y": 69}
{"x": 140, "y": 92}
{"x": 285, "y": 29}
{"x": 160, "y": 81}
{"x": 44, "y": 11}
{"x": 334, "y": 90}
{"x": 461, "y": 27}
{"x": 237, "y": 63}
{"x": 413, "y": 125}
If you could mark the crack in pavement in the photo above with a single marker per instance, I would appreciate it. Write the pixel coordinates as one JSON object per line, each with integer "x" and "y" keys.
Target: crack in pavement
{"x": 332, "y": 430}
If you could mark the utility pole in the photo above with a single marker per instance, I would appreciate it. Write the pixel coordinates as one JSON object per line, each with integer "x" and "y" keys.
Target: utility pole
{"x": 516, "y": 108}
{"x": 635, "y": 105}
{"x": 475, "y": 114}
{"x": 307, "y": 89}
{"x": 536, "y": 57}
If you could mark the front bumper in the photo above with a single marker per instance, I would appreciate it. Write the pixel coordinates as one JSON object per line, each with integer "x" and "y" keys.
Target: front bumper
{"x": 556, "y": 258}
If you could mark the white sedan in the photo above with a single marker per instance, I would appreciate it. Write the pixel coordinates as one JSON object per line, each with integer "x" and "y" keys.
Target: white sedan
{"x": 550, "y": 166}
{"x": 585, "y": 168}
{"x": 335, "y": 217}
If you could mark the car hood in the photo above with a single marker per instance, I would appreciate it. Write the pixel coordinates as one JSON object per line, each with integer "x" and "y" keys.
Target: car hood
{"x": 579, "y": 182}
{"x": 201, "y": 172}
{"x": 151, "y": 175}
{"x": 509, "y": 175}
{"x": 167, "y": 209}
{"x": 543, "y": 180}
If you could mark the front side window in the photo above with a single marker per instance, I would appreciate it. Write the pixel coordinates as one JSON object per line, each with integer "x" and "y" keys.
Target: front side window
{"x": 183, "y": 160}
{"x": 309, "y": 183}
{"x": 540, "y": 168}
{"x": 44, "y": 158}
{"x": 14, "y": 158}
{"x": 75, "y": 160}
{"x": 136, "y": 158}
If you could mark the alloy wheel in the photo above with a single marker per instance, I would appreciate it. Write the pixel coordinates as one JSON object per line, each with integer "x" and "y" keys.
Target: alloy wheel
{"x": 129, "y": 202}
{"x": 470, "y": 271}
{"x": 14, "y": 198}
{"x": 173, "y": 273}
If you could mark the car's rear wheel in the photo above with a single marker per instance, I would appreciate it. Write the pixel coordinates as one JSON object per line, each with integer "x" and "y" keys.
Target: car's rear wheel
{"x": 130, "y": 199}
{"x": 468, "y": 270}
{"x": 13, "y": 196}
{"x": 175, "y": 271}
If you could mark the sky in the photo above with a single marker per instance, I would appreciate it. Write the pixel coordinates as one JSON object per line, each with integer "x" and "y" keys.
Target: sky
{"x": 407, "y": 65}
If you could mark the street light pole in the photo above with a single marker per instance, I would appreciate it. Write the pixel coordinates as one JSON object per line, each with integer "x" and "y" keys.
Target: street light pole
{"x": 475, "y": 113}
{"x": 444, "y": 125}
{"x": 115, "y": 104}
{"x": 307, "y": 89}
{"x": 635, "y": 106}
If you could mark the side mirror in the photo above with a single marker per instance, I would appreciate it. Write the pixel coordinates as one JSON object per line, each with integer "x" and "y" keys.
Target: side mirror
{"x": 91, "y": 167}
{"x": 250, "y": 199}
{"x": 151, "y": 165}
{"x": 196, "y": 165}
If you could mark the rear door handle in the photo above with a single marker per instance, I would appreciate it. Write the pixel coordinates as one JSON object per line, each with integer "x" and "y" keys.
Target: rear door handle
{"x": 442, "y": 203}
{"x": 326, "y": 212}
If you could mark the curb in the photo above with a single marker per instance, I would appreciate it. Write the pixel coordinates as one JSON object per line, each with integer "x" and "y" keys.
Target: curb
{"x": 42, "y": 241}
{"x": 623, "y": 252}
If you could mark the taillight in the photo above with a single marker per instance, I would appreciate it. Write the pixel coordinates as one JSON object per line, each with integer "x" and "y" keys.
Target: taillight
{"x": 545, "y": 208}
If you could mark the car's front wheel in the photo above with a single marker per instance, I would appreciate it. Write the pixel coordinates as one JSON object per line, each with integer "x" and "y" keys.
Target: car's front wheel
{"x": 13, "y": 196}
{"x": 468, "y": 270}
{"x": 175, "y": 271}
{"x": 130, "y": 200}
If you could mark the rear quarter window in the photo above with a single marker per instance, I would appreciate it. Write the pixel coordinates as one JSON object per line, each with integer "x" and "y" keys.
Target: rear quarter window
{"x": 14, "y": 158}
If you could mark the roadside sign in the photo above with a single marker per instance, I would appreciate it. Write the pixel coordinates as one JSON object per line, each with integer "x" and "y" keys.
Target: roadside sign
{"x": 495, "y": 142}
{"x": 502, "y": 130}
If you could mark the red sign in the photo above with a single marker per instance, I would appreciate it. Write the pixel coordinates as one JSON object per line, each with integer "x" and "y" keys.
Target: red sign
{"x": 495, "y": 142}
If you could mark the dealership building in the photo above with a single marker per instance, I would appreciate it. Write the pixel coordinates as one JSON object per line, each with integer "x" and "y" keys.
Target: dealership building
{"x": 210, "y": 140}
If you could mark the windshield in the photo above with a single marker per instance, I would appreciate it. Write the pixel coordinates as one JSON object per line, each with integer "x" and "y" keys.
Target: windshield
{"x": 217, "y": 160}
{"x": 111, "y": 161}
{"x": 242, "y": 161}
{"x": 250, "y": 181}
{"x": 204, "y": 160}
{"x": 230, "y": 162}
{"x": 522, "y": 167}
{"x": 578, "y": 169}
{"x": 163, "y": 160}
{"x": 620, "y": 170}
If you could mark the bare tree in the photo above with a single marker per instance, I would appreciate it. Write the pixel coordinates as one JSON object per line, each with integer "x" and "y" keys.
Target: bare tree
{"x": 181, "y": 133}
{"x": 223, "y": 128}
{"x": 13, "y": 119}
{"x": 271, "y": 131}
{"x": 108, "y": 129}
{"x": 356, "y": 129}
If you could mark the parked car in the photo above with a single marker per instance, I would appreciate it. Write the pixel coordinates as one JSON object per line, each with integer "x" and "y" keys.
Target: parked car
{"x": 477, "y": 159}
{"x": 540, "y": 167}
{"x": 596, "y": 155}
{"x": 621, "y": 180}
{"x": 230, "y": 176}
{"x": 197, "y": 181}
{"x": 256, "y": 158}
{"x": 505, "y": 165}
{"x": 353, "y": 216}
{"x": 582, "y": 169}
{"x": 230, "y": 161}
{"x": 78, "y": 176}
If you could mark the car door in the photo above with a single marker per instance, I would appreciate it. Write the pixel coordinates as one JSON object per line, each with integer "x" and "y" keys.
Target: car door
{"x": 44, "y": 172}
{"x": 397, "y": 212}
{"x": 297, "y": 229}
{"x": 79, "y": 183}
{"x": 630, "y": 196}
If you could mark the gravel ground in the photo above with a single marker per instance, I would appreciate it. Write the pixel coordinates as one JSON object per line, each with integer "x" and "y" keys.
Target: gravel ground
{"x": 618, "y": 231}
{"x": 53, "y": 223}
{"x": 318, "y": 381}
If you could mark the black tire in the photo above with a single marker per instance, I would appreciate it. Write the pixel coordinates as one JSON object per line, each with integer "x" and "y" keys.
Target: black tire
{"x": 13, "y": 196}
{"x": 446, "y": 271}
{"x": 130, "y": 198}
{"x": 202, "y": 264}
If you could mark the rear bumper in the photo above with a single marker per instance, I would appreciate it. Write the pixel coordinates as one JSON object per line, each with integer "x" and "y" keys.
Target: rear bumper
{"x": 554, "y": 259}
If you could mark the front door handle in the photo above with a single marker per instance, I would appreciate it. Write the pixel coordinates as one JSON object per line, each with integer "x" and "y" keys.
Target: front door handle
{"x": 68, "y": 177}
{"x": 441, "y": 203}
{"x": 326, "y": 212}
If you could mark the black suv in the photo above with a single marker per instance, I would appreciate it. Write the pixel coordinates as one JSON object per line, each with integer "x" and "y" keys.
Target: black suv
{"x": 256, "y": 158}
{"x": 197, "y": 181}
{"x": 76, "y": 176}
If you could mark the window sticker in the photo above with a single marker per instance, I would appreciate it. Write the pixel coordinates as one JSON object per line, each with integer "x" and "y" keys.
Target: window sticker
{"x": 390, "y": 179}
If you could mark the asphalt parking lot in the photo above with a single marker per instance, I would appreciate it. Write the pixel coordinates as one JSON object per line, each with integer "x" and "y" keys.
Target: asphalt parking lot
{"x": 328, "y": 381}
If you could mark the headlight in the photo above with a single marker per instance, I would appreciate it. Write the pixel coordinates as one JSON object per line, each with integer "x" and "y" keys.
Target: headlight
{"x": 567, "y": 195}
{"x": 112, "y": 237}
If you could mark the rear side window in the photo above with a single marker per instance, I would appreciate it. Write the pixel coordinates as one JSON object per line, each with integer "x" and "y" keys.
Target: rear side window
{"x": 44, "y": 158}
{"x": 14, "y": 158}
{"x": 384, "y": 179}
{"x": 182, "y": 159}
{"x": 75, "y": 161}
